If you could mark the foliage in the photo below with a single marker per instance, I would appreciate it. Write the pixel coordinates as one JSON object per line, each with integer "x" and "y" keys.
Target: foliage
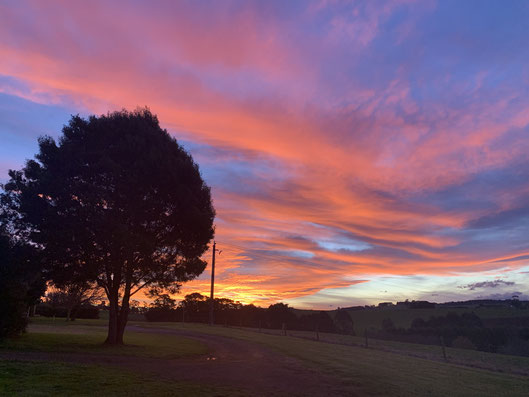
{"x": 74, "y": 299}
{"x": 466, "y": 330}
{"x": 164, "y": 301}
{"x": 195, "y": 308}
{"x": 84, "y": 311}
{"x": 316, "y": 321}
{"x": 344, "y": 322}
{"x": 279, "y": 314}
{"x": 117, "y": 202}
{"x": 21, "y": 284}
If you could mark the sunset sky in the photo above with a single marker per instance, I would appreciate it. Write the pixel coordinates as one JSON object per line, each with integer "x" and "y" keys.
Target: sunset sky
{"x": 358, "y": 152}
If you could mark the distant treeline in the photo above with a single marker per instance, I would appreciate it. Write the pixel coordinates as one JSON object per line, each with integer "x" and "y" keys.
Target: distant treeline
{"x": 506, "y": 335}
{"x": 195, "y": 308}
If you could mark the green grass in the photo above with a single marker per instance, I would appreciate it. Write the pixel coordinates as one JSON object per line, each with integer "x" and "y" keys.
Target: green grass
{"x": 87, "y": 338}
{"x": 374, "y": 372}
{"x": 32, "y": 379}
{"x": 493, "y": 361}
{"x": 391, "y": 368}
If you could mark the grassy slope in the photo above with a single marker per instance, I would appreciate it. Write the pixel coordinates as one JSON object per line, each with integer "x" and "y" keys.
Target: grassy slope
{"x": 485, "y": 360}
{"x": 380, "y": 373}
{"x": 32, "y": 379}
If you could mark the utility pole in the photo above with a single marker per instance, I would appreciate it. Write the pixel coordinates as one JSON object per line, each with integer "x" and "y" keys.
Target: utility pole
{"x": 211, "y": 296}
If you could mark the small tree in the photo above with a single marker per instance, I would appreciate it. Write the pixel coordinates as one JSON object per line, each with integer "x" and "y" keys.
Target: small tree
{"x": 164, "y": 301}
{"x": 279, "y": 314}
{"x": 71, "y": 296}
{"x": 118, "y": 202}
{"x": 344, "y": 323}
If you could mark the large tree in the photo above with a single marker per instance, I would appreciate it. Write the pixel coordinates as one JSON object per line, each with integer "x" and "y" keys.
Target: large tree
{"x": 116, "y": 201}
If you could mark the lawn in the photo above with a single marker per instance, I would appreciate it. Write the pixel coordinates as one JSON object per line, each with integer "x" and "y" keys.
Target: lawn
{"x": 87, "y": 337}
{"x": 36, "y": 379}
{"x": 374, "y": 372}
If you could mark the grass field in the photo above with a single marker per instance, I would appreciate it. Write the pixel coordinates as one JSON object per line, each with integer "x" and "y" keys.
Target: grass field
{"x": 472, "y": 358}
{"x": 36, "y": 379}
{"x": 374, "y": 372}
{"x": 87, "y": 336}
{"x": 388, "y": 369}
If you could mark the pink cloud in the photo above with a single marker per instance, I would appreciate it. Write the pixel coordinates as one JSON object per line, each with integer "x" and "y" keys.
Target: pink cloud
{"x": 348, "y": 156}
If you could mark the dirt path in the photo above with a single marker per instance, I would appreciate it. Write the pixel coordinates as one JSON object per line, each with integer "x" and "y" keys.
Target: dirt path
{"x": 234, "y": 363}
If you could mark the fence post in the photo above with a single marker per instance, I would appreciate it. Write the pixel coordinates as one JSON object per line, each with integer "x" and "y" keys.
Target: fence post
{"x": 317, "y": 333}
{"x": 442, "y": 341}
{"x": 367, "y": 342}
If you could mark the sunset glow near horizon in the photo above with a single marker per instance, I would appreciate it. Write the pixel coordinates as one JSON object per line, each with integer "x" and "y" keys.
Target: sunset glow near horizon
{"x": 358, "y": 152}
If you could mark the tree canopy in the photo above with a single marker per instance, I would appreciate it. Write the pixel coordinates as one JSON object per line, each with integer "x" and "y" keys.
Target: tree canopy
{"x": 118, "y": 202}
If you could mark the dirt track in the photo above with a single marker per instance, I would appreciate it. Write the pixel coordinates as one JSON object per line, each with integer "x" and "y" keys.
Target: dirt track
{"x": 234, "y": 363}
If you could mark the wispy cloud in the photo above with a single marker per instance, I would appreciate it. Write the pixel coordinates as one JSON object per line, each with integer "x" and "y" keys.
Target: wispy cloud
{"x": 343, "y": 141}
{"x": 487, "y": 284}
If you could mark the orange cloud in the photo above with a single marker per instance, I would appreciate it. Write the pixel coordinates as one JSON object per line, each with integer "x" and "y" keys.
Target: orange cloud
{"x": 332, "y": 171}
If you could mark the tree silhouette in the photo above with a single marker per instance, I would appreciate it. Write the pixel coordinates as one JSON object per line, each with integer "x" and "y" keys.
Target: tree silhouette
{"x": 21, "y": 283}
{"x": 72, "y": 296}
{"x": 344, "y": 323}
{"x": 118, "y": 202}
{"x": 279, "y": 314}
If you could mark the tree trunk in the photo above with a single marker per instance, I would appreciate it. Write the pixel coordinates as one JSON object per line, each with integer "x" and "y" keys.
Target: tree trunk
{"x": 113, "y": 319}
{"x": 122, "y": 319}
{"x": 124, "y": 311}
{"x": 122, "y": 323}
{"x": 118, "y": 316}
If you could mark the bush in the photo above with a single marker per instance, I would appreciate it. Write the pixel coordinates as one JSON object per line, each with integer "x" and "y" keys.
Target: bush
{"x": 159, "y": 314}
{"x": 84, "y": 312}
{"x": 20, "y": 285}
{"x": 47, "y": 310}
{"x": 343, "y": 322}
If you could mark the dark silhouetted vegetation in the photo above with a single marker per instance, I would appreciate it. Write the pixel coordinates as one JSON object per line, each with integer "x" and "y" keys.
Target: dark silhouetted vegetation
{"x": 83, "y": 311}
{"x": 195, "y": 308}
{"x": 466, "y": 330}
{"x": 116, "y": 202}
{"x": 21, "y": 284}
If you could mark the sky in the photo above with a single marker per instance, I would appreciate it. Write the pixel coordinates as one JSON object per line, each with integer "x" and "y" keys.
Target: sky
{"x": 358, "y": 151}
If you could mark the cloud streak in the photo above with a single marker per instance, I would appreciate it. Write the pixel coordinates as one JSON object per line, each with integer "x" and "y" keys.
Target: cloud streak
{"x": 343, "y": 142}
{"x": 488, "y": 284}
